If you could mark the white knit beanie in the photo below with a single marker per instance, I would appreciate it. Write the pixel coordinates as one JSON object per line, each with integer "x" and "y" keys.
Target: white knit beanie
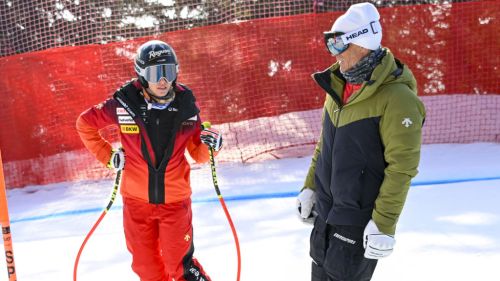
{"x": 360, "y": 25}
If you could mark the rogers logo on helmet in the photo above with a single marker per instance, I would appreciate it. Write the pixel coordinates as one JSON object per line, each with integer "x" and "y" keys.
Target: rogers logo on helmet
{"x": 154, "y": 54}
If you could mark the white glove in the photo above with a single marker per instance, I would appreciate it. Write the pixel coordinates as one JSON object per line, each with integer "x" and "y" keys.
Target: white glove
{"x": 212, "y": 138}
{"x": 377, "y": 244}
{"x": 305, "y": 205}
{"x": 117, "y": 160}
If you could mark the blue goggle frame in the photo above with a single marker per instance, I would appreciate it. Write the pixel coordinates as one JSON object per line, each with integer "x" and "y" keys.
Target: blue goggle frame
{"x": 334, "y": 42}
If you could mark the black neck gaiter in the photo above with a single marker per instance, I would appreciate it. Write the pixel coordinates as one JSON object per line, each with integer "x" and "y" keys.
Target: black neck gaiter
{"x": 363, "y": 69}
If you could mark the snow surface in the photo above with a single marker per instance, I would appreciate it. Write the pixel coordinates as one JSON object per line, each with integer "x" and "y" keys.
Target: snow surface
{"x": 449, "y": 229}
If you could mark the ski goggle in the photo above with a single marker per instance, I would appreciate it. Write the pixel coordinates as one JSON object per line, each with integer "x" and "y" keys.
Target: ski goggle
{"x": 338, "y": 42}
{"x": 334, "y": 42}
{"x": 155, "y": 73}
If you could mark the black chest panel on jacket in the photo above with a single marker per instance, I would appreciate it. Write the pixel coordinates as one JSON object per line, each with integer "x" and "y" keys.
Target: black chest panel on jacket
{"x": 160, "y": 128}
{"x": 349, "y": 171}
{"x": 160, "y": 125}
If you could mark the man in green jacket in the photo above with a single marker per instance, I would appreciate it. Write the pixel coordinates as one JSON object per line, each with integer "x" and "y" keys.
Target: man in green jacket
{"x": 367, "y": 154}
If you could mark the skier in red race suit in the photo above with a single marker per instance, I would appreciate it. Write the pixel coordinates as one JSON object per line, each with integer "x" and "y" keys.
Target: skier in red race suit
{"x": 158, "y": 120}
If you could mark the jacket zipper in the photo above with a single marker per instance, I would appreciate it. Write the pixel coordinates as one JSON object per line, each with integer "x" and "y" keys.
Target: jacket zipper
{"x": 339, "y": 110}
{"x": 156, "y": 199}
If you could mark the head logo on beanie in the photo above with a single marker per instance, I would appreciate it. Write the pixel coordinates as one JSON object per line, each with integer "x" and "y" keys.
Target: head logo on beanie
{"x": 360, "y": 25}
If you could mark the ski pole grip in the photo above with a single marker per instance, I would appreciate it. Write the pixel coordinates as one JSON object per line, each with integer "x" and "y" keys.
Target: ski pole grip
{"x": 206, "y": 125}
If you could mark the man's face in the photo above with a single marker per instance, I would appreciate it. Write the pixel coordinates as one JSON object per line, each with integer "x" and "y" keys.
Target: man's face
{"x": 351, "y": 56}
{"x": 161, "y": 88}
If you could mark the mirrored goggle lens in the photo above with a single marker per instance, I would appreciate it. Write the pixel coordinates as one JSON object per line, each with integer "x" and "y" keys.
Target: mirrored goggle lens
{"x": 334, "y": 43}
{"x": 154, "y": 73}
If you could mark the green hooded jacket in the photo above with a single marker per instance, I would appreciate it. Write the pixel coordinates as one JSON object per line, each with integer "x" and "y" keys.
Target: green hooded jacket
{"x": 369, "y": 148}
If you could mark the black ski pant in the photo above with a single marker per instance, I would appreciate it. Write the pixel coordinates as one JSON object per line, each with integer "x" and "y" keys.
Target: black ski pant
{"x": 338, "y": 254}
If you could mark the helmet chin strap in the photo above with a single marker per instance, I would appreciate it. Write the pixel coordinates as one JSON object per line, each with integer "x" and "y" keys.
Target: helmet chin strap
{"x": 156, "y": 101}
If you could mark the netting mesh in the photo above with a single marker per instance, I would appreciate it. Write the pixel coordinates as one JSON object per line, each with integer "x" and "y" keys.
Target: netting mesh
{"x": 248, "y": 62}
{"x": 29, "y": 26}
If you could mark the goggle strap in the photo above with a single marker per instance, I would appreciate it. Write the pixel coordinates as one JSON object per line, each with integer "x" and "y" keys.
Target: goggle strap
{"x": 373, "y": 27}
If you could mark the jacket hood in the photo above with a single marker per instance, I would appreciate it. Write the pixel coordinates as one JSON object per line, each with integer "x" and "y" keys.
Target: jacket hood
{"x": 390, "y": 70}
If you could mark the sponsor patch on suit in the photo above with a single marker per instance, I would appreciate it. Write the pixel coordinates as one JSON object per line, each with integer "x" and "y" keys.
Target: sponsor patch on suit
{"x": 125, "y": 119}
{"x": 129, "y": 129}
{"x": 121, "y": 111}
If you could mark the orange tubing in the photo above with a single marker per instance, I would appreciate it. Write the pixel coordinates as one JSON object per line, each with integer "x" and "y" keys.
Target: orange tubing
{"x": 104, "y": 212}
{"x": 5, "y": 222}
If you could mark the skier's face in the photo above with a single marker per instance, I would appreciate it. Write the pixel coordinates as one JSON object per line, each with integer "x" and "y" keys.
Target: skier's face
{"x": 161, "y": 88}
{"x": 351, "y": 56}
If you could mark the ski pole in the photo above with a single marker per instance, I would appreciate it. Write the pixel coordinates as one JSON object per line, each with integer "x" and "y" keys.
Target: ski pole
{"x": 110, "y": 203}
{"x": 207, "y": 125}
{"x": 5, "y": 222}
